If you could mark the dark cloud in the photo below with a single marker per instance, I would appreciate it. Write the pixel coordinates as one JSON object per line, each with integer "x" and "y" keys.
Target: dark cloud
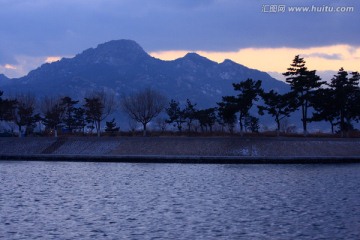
{"x": 65, "y": 27}
{"x": 325, "y": 56}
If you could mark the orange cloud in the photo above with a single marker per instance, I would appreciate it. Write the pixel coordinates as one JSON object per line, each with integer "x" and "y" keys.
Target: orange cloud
{"x": 278, "y": 59}
{"x": 52, "y": 59}
{"x": 8, "y": 66}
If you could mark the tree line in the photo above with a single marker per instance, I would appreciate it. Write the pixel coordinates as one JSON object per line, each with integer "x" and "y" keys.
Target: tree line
{"x": 336, "y": 102}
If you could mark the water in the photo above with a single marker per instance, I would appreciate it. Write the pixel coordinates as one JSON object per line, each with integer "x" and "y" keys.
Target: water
{"x": 59, "y": 200}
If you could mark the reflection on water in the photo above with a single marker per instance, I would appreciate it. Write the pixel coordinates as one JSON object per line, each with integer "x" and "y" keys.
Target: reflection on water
{"x": 58, "y": 200}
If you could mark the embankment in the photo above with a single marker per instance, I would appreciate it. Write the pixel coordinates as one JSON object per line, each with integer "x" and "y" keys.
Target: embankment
{"x": 183, "y": 149}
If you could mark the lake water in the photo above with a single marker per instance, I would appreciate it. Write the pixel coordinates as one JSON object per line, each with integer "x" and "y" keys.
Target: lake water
{"x": 62, "y": 200}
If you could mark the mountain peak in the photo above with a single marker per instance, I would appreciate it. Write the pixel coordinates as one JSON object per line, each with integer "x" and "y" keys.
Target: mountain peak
{"x": 195, "y": 56}
{"x": 115, "y": 49}
{"x": 122, "y": 44}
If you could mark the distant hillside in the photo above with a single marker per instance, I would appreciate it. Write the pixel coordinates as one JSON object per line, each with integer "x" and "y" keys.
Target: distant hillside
{"x": 4, "y": 80}
{"x": 123, "y": 66}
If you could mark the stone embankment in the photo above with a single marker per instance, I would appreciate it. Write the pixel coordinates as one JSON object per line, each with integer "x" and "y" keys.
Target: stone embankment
{"x": 182, "y": 149}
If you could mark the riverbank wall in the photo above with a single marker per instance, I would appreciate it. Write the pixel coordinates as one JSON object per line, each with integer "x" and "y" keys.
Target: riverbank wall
{"x": 182, "y": 149}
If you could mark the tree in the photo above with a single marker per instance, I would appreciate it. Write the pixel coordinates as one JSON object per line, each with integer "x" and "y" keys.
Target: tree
{"x": 111, "y": 127}
{"x": 189, "y": 113}
{"x": 143, "y": 106}
{"x": 346, "y": 92}
{"x": 98, "y": 106}
{"x": 252, "y": 124}
{"x": 249, "y": 91}
{"x": 303, "y": 83}
{"x": 176, "y": 115}
{"x": 278, "y": 106}
{"x": 324, "y": 104}
{"x": 53, "y": 111}
{"x": 206, "y": 118}
{"x": 69, "y": 113}
{"x": 227, "y": 115}
{"x": 23, "y": 114}
{"x": 79, "y": 119}
{"x": 7, "y": 107}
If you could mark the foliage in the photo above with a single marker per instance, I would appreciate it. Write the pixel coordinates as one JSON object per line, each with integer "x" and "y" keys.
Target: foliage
{"x": 206, "y": 118}
{"x": 249, "y": 92}
{"x": 176, "y": 115}
{"x": 227, "y": 115}
{"x": 53, "y": 111}
{"x": 69, "y": 113}
{"x": 111, "y": 126}
{"x": 98, "y": 106}
{"x": 346, "y": 95}
{"x": 277, "y": 105}
{"x": 303, "y": 83}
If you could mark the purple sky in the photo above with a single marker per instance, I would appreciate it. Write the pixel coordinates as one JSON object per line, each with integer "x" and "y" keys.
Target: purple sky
{"x": 32, "y": 30}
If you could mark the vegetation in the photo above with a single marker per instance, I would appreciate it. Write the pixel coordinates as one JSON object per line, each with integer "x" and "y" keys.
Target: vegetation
{"x": 336, "y": 101}
{"x": 143, "y": 106}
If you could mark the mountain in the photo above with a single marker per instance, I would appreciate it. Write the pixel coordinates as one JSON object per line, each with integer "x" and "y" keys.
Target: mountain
{"x": 123, "y": 66}
{"x": 4, "y": 80}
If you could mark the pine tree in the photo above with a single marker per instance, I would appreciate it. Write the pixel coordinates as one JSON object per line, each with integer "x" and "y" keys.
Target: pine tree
{"x": 346, "y": 93}
{"x": 176, "y": 115}
{"x": 303, "y": 83}
{"x": 249, "y": 92}
{"x": 278, "y": 106}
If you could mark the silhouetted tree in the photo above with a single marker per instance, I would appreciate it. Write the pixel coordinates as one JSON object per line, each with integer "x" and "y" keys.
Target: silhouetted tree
{"x": 249, "y": 91}
{"x": 252, "y": 124}
{"x": 189, "y": 113}
{"x": 69, "y": 112}
{"x": 324, "y": 104}
{"x": 23, "y": 114}
{"x": 53, "y": 111}
{"x": 98, "y": 106}
{"x": 111, "y": 127}
{"x": 303, "y": 83}
{"x": 79, "y": 119}
{"x": 144, "y": 106}
{"x": 176, "y": 115}
{"x": 346, "y": 92}
{"x": 227, "y": 115}
{"x": 278, "y": 106}
{"x": 206, "y": 118}
{"x": 7, "y": 107}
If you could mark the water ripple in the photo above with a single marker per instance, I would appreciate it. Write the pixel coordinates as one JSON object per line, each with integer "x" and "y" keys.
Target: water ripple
{"x": 59, "y": 200}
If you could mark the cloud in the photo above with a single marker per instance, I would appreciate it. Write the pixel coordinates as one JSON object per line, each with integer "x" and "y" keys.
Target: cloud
{"x": 326, "y": 58}
{"x": 336, "y": 56}
{"x": 37, "y": 28}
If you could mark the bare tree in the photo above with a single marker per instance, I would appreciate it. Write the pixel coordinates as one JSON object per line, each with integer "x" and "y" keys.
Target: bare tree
{"x": 143, "y": 106}
{"x": 98, "y": 106}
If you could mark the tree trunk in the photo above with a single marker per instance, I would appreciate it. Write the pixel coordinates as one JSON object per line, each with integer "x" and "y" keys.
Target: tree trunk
{"x": 241, "y": 127}
{"x": 304, "y": 120}
{"x": 98, "y": 129}
{"x": 144, "y": 129}
{"x": 20, "y": 132}
{"x": 56, "y": 132}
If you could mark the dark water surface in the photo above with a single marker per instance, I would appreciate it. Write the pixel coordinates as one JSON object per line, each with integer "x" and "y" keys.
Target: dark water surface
{"x": 60, "y": 200}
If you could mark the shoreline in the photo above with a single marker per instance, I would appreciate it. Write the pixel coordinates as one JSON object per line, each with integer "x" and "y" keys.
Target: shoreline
{"x": 206, "y": 150}
{"x": 183, "y": 159}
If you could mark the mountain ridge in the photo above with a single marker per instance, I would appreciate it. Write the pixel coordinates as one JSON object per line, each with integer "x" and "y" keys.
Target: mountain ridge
{"x": 123, "y": 66}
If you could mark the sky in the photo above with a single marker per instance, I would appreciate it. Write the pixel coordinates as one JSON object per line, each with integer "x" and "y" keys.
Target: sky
{"x": 260, "y": 34}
